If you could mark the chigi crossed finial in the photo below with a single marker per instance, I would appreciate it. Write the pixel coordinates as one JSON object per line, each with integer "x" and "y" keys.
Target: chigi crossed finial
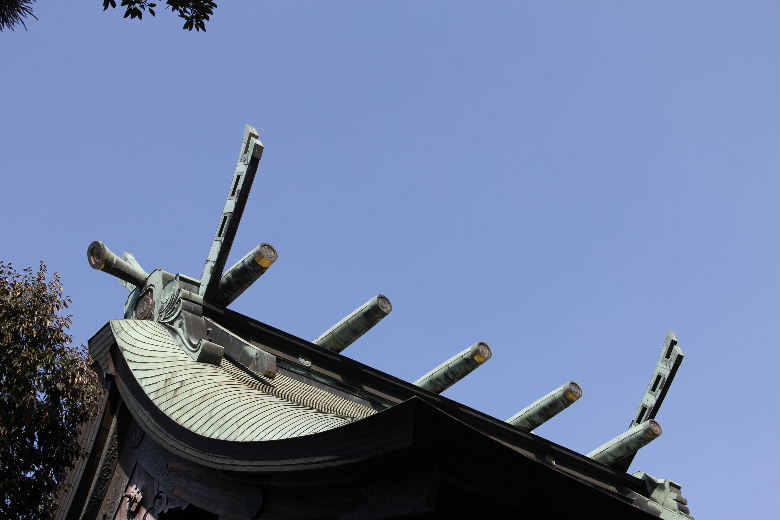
{"x": 165, "y": 309}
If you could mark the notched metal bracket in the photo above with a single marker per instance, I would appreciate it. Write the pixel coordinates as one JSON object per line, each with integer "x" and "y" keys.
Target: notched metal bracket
{"x": 669, "y": 362}
{"x": 666, "y": 493}
{"x": 665, "y": 369}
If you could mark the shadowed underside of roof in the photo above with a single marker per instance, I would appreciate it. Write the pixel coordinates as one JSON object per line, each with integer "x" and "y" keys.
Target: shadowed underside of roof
{"x": 213, "y": 409}
{"x": 209, "y": 435}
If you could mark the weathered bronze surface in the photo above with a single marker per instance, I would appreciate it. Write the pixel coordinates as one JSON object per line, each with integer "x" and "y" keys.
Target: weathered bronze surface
{"x": 212, "y": 414}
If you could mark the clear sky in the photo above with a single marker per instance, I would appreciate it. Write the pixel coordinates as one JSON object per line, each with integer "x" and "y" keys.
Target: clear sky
{"x": 563, "y": 180}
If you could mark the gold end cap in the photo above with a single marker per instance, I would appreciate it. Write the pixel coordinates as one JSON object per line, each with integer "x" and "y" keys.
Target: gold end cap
{"x": 573, "y": 391}
{"x": 481, "y": 352}
{"x": 96, "y": 255}
{"x": 653, "y": 429}
{"x": 266, "y": 255}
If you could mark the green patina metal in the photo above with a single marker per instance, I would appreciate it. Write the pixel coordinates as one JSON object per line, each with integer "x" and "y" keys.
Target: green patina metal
{"x": 668, "y": 362}
{"x": 176, "y": 300}
{"x": 244, "y": 273}
{"x": 620, "y": 451}
{"x": 221, "y": 401}
{"x": 456, "y": 368}
{"x": 218, "y": 385}
{"x": 355, "y": 324}
{"x": 547, "y": 407}
{"x": 244, "y": 176}
{"x": 188, "y": 365}
{"x": 627, "y": 443}
{"x": 666, "y": 493}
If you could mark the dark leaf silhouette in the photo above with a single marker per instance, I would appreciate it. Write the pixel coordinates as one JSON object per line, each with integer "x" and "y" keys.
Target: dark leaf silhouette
{"x": 194, "y": 12}
{"x": 47, "y": 390}
{"x": 13, "y": 13}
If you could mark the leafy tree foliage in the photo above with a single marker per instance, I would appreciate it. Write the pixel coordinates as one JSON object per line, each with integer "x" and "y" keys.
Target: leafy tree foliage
{"x": 47, "y": 390}
{"x": 195, "y": 13}
{"x": 13, "y": 12}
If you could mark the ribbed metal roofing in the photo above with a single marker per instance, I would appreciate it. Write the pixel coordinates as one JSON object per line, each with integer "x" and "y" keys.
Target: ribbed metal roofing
{"x": 225, "y": 402}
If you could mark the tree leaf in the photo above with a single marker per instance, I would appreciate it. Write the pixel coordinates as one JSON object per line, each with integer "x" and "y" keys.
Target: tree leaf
{"x": 48, "y": 391}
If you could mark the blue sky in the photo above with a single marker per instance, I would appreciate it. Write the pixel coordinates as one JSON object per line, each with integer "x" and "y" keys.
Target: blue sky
{"x": 563, "y": 180}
